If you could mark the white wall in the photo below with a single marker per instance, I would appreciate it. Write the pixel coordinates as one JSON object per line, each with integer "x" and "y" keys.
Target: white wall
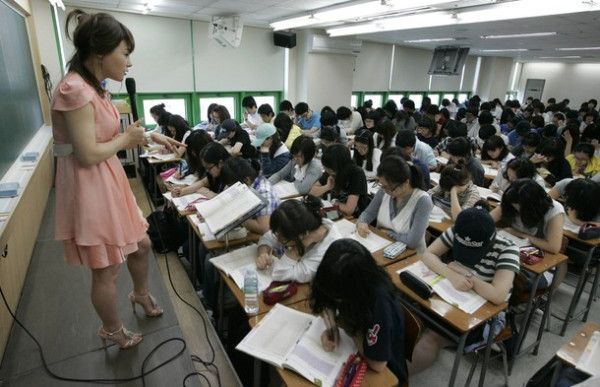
{"x": 372, "y": 67}
{"x": 494, "y": 77}
{"x": 328, "y": 83}
{"x": 578, "y": 82}
{"x": 410, "y": 69}
{"x": 256, "y": 65}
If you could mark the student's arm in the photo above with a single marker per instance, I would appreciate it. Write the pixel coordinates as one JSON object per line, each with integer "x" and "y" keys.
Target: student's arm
{"x": 349, "y": 206}
{"x": 236, "y": 149}
{"x": 82, "y": 133}
{"x": 319, "y": 190}
{"x": 369, "y": 214}
{"x": 496, "y": 213}
{"x": 375, "y": 365}
{"x": 270, "y": 166}
{"x": 313, "y": 172}
{"x": 260, "y": 225}
{"x": 282, "y": 174}
{"x": 194, "y": 187}
{"x": 428, "y": 156}
{"x": 554, "y": 193}
{"x": 301, "y": 270}
{"x": 455, "y": 207}
{"x": 553, "y": 240}
{"x": 265, "y": 246}
{"x": 432, "y": 261}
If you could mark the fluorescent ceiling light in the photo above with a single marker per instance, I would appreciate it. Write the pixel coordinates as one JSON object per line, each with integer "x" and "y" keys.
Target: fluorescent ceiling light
{"x": 354, "y": 11}
{"x": 512, "y": 10}
{"x": 430, "y": 40}
{"x": 561, "y": 57}
{"x": 505, "y": 50}
{"x": 577, "y": 48}
{"x": 513, "y": 36}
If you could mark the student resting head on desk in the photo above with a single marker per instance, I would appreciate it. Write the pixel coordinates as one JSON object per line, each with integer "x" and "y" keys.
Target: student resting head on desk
{"x": 401, "y": 206}
{"x": 456, "y": 190}
{"x": 298, "y": 239}
{"x": 482, "y": 262}
{"x": 366, "y": 155}
{"x": 236, "y": 169}
{"x": 385, "y": 134}
{"x": 303, "y": 169}
{"x": 345, "y": 180}
{"x": 363, "y": 301}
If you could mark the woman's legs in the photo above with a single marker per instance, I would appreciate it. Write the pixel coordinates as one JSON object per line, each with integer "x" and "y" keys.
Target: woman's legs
{"x": 104, "y": 296}
{"x": 137, "y": 263}
{"x": 426, "y": 351}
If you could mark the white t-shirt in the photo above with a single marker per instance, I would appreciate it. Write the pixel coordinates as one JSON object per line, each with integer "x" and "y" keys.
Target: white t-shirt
{"x": 556, "y": 209}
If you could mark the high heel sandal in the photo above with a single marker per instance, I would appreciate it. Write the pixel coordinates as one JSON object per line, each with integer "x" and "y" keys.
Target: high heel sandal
{"x": 150, "y": 309}
{"x": 128, "y": 340}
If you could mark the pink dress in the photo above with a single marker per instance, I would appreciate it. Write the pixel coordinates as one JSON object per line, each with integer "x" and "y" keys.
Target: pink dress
{"x": 97, "y": 217}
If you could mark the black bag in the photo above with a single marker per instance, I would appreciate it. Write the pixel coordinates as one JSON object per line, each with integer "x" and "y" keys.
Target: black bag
{"x": 589, "y": 231}
{"x": 165, "y": 231}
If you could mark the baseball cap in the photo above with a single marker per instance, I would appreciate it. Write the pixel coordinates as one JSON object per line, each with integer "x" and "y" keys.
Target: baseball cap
{"x": 227, "y": 126}
{"x": 263, "y": 131}
{"x": 474, "y": 235}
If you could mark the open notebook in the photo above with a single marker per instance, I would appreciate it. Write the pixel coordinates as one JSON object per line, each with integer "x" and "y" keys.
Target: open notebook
{"x": 182, "y": 202}
{"x": 489, "y": 171}
{"x": 519, "y": 242}
{"x": 285, "y": 189}
{"x": 230, "y": 208}
{"x": 372, "y": 242}
{"x": 291, "y": 339}
{"x": 468, "y": 302}
{"x": 188, "y": 180}
{"x": 236, "y": 262}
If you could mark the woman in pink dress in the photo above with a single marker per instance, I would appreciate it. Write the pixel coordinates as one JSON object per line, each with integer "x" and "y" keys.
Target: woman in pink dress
{"x": 97, "y": 217}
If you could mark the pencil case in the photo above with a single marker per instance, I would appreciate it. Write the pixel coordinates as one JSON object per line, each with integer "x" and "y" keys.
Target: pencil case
{"x": 414, "y": 283}
{"x": 353, "y": 372}
{"x": 166, "y": 174}
{"x": 531, "y": 255}
{"x": 278, "y": 291}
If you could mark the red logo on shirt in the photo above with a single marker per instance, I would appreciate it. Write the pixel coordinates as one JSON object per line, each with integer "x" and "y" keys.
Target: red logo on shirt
{"x": 372, "y": 335}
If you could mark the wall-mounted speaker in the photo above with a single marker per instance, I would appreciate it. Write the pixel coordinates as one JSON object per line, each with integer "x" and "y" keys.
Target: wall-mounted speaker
{"x": 284, "y": 39}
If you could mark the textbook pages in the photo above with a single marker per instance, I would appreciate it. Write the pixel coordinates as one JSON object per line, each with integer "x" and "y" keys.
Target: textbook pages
{"x": 236, "y": 262}
{"x": 468, "y": 302}
{"x": 291, "y": 339}
{"x": 372, "y": 242}
{"x": 229, "y": 208}
{"x": 182, "y": 202}
{"x": 285, "y": 189}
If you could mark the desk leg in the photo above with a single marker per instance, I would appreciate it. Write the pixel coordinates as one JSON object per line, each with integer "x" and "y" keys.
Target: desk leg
{"x": 486, "y": 358}
{"x": 153, "y": 182}
{"x": 592, "y": 291}
{"x": 220, "y": 306}
{"x": 256, "y": 374}
{"x": 459, "y": 355}
{"x": 545, "y": 316}
{"x": 192, "y": 257}
{"x": 526, "y": 322}
{"x": 578, "y": 291}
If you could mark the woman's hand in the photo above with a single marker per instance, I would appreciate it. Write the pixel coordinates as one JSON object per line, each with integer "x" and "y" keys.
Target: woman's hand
{"x": 178, "y": 191}
{"x": 363, "y": 230}
{"x": 460, "y": 282}
{"x": 263, "y": 261}
{"x": 170, "y": 143}
{"x": 327, "y": 341}
{"x": 135, "y": 135}
{"x": 538, "y": 158}
{"x": 330, "y": 183}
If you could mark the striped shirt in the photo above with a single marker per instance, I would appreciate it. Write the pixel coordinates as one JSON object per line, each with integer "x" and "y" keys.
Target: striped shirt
{"x": 503, "y": 255}
{"x": 262, "y": 186}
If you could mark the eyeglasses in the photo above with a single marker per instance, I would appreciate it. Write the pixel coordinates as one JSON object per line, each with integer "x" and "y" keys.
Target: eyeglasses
{"x": 386, "y": 188}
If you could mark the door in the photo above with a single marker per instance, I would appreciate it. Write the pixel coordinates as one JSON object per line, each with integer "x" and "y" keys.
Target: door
{"x": 534, "y": 89}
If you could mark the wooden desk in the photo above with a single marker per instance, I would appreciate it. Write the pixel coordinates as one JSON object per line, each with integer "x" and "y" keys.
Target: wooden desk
{"x": 440, "y": 227}
{"x": 571, "y": 351}
{"x": 461, "y": 322}
{"x": 292, "y": 379}
{"x": 588, "y": 251}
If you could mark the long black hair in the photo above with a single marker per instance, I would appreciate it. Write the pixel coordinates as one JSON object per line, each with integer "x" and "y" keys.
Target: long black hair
{"x": 533, "y": 203}
{"x": 337, "y": 158}
{"x": 283, "y": 123}
{"x": 180, "y": 125}
{"x": 386, "y": 132}
{"x": 492, "y": 143}
{"x": 214, "y": 153}
{"x": 364, "y": 136}
{"x": 196, "y": 142}
{"x": 397, "y": 170}
{"x": 348, "y": 281}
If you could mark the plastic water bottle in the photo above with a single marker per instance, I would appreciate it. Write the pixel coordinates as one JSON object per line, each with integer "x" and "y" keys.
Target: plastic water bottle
{"x": 251, "y": 292}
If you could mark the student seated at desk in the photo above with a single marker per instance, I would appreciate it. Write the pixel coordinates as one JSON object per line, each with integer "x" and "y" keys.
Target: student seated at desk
{"x": 237, "y": 169}
{"x": 219, "y": 115}
{"x": 345, "y": 180}
{"x": 401, "y": 206}
{"x": 328, "y": 136}
{"x": 251, "y": 116}
{"x": 329, "y": 120}
{"x": 456, "y": 190}
{"x": 483, "y": 262}
{"x": 266, "y": 113}
{"x": 395, "y": 151}
{"x": 460, "y": 152}
{"x": 303, "y": 169}
{"x": 366, "y": 155}
{"x": 551, "y": 161}
{"x": 583, "y": 161}
{"x": 195, "y": 142}
{"x": 495, "y": 153}
{"x": 213, "y": 156}
{"x": 179, "y": 129}
{"x": 307, "y": 120}
{"x": 299, "y": 236}
{"x": 161, "y": 116}
{"x": 532, "y": 214}
{"x": 363, "y": 301}
{"x": 385, "y": 134}
{"x": 288, "y": 131}
{"x": 237, "y": 139}
{"x": 273, "y": 153}
{"x": 519, "y": 168}
{"x": 408, "y": 142}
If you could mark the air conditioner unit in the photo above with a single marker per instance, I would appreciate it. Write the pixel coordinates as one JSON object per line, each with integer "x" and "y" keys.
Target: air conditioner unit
{"x": 325, "y": 44}
{"x": 227, "y": 31}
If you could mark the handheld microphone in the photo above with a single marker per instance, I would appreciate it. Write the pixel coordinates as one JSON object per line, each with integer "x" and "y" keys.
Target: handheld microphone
{"x": 130, "y": 86}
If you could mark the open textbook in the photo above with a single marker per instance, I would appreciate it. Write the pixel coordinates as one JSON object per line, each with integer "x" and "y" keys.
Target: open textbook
{"x": 236, "y": 262}
{"x": 188, "y": 180}
{"x": 487, "y": 193}
{"x": 468, "y": 302}
{"x": 372, "y": 242}
{"x": 519, "y": 242}
{"x": 437, "y": 215}
{"x": 291, "y": 339}
{"x": 203, "y": 228}
{"x": 489, "y": 171}
{"x": 434, "y": 177}
{"x": 285, "y": 189}
{"x": 182, "y": 202}
{"x": 230, "y": 208}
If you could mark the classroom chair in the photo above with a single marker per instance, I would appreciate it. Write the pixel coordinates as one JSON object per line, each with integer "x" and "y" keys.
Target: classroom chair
{"x": 412, "y": 332}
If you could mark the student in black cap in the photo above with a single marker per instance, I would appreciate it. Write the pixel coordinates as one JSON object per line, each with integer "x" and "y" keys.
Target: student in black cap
{"x": 237, "y": 139}
{"x": 483, "y": 262}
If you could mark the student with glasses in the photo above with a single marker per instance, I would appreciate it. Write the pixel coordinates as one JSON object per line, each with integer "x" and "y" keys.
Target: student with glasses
{"x": 303, "y": 169}
{"x": 401, "y": 206}
{"x": 297, "y": 240}
{"x": 212, "y": 156}
{"x": 366, "y": 155}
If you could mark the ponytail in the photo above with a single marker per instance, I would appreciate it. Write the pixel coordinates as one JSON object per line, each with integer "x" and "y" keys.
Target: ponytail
{"x": 416, "y": 176}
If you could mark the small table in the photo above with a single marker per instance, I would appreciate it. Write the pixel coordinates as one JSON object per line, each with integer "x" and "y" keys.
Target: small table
{"x": 571, "y": 351}
{"x": 461, "y": 322}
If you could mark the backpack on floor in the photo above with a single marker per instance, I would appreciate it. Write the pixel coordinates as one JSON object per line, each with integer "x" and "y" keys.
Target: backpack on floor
{"x": 164, "y": 230}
